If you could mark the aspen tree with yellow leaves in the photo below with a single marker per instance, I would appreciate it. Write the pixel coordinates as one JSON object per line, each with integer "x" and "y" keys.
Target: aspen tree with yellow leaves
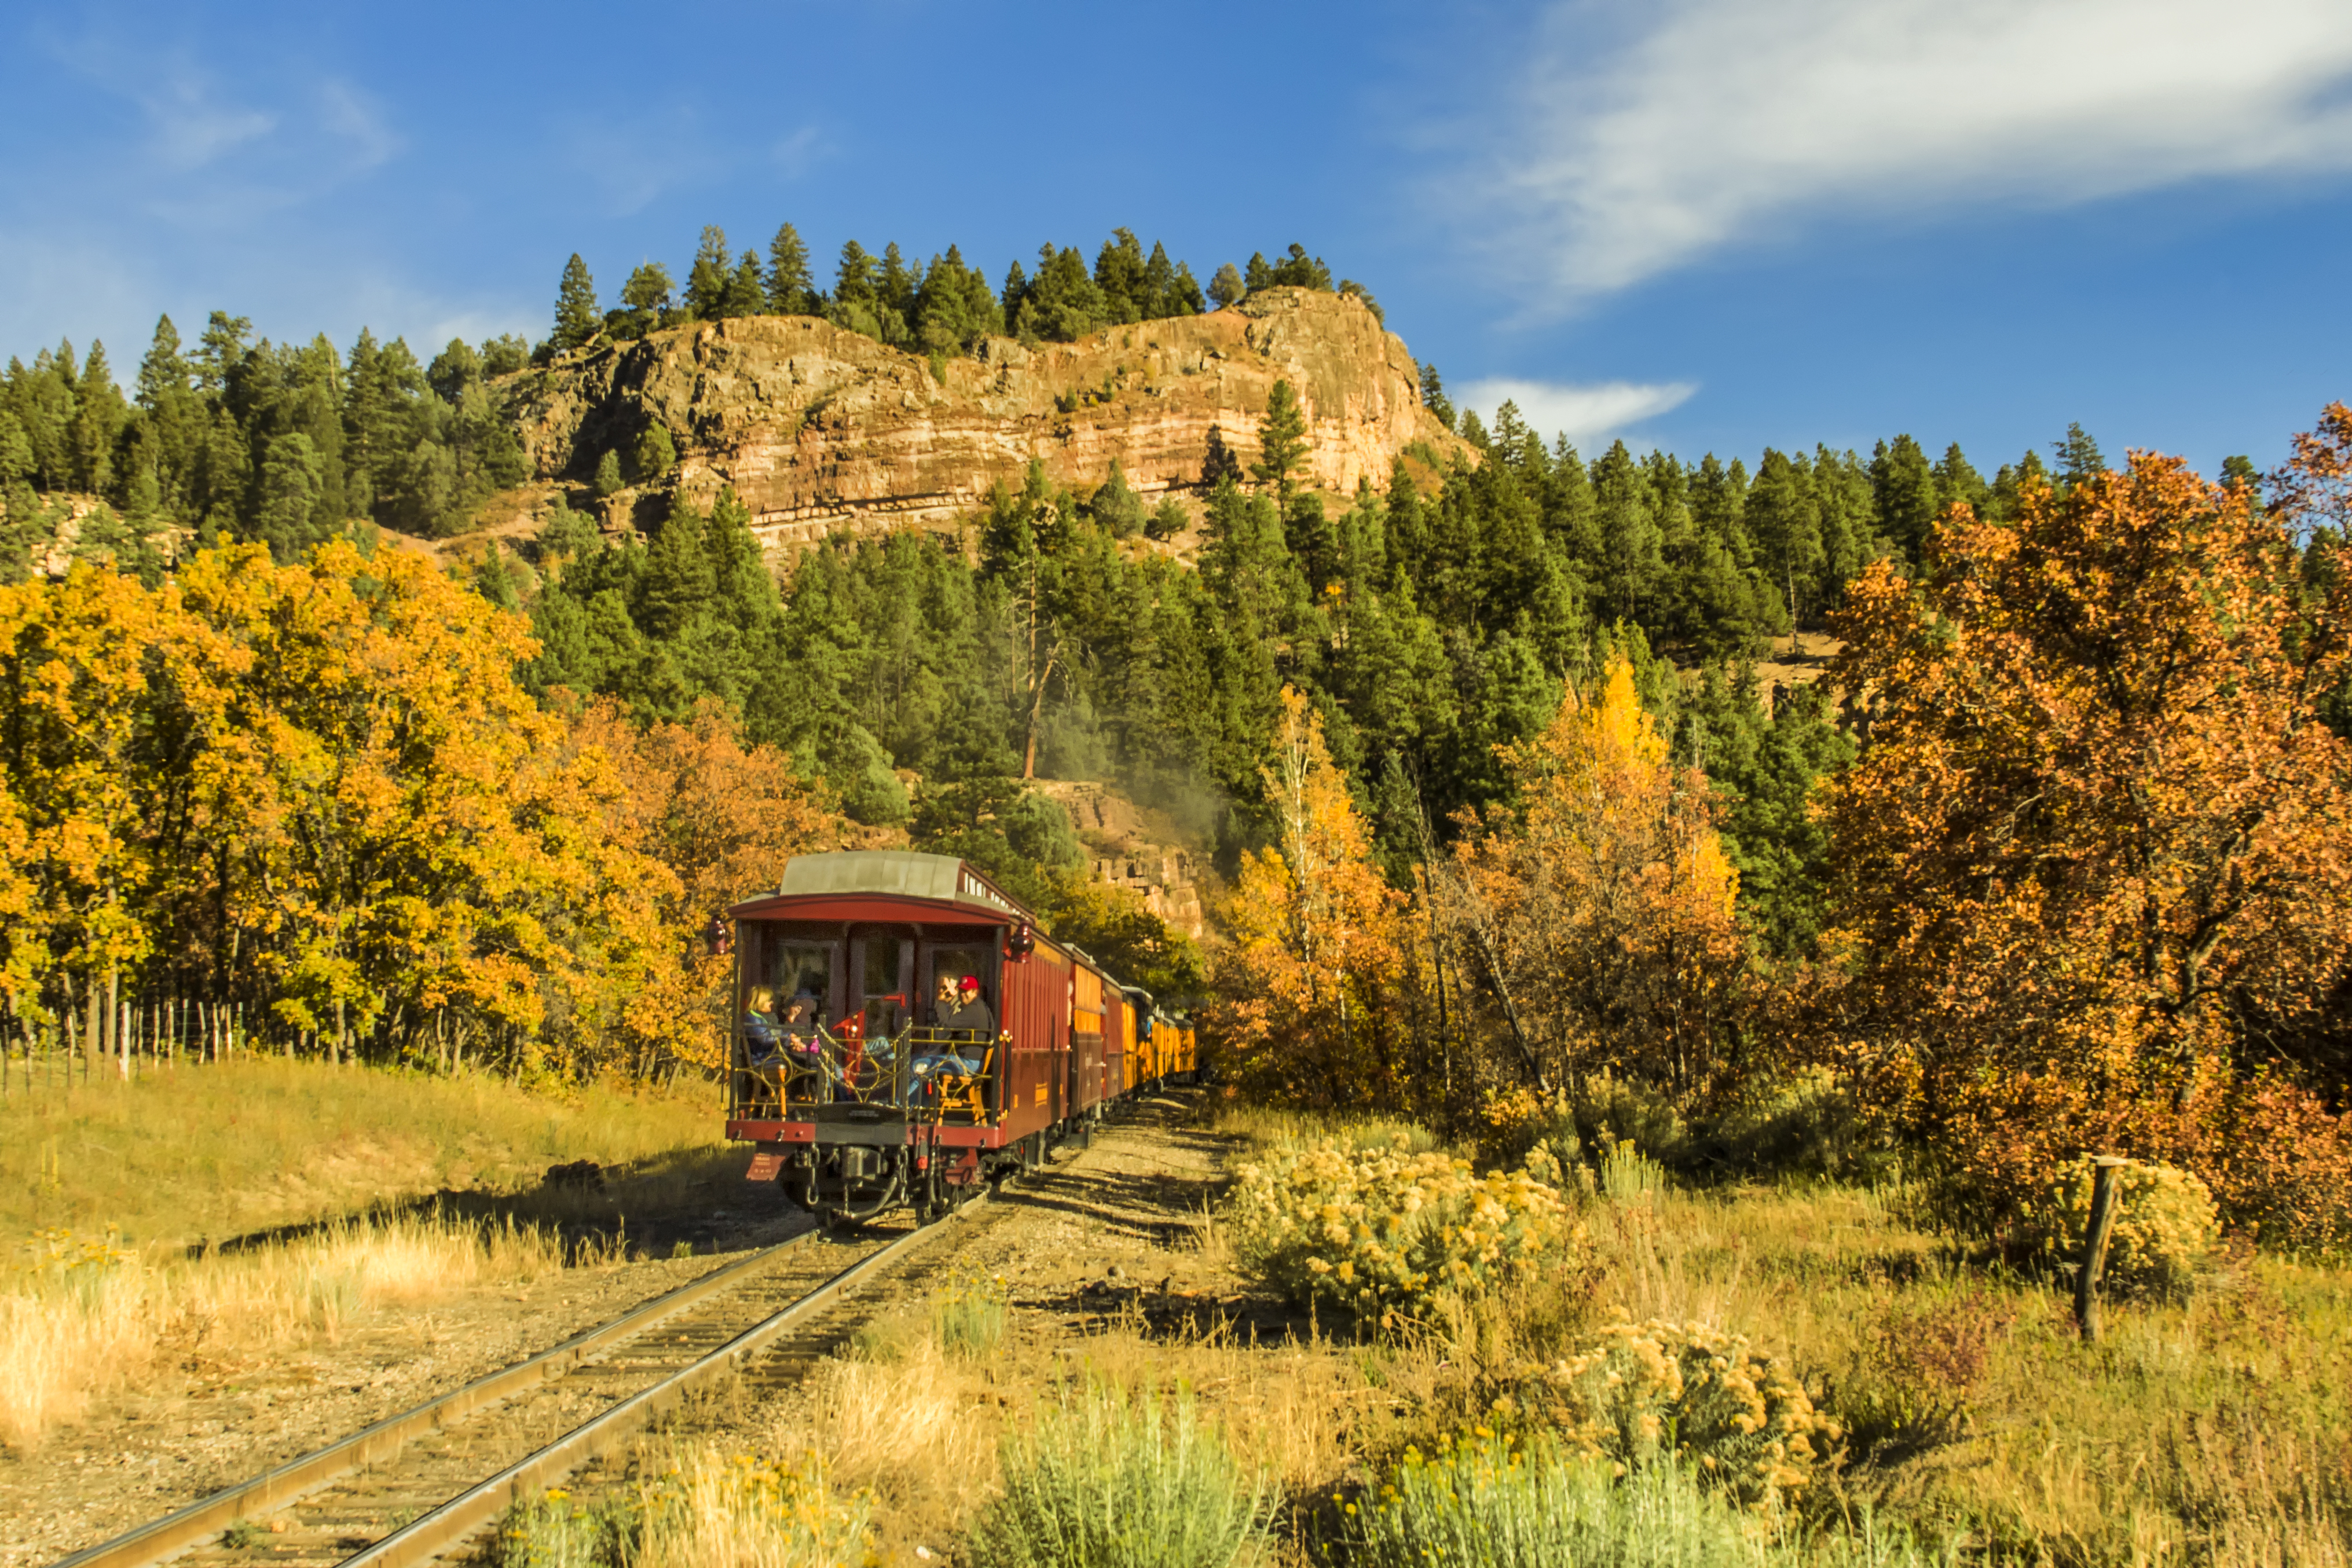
{"x": 1601, "y": 909}
{"x": 1317, "y": 949}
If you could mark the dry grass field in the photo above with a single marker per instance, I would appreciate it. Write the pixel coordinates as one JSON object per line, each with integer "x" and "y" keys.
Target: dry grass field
{"x": 1975, "y": 1425}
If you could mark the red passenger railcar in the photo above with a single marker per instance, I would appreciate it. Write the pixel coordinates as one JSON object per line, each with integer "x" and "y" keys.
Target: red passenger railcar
{"x": 861, "y": 1084}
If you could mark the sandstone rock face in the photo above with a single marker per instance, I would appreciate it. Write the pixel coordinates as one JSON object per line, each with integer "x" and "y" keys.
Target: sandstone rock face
{"x": 818, "y": 428}
{"x": 1125, "y": 852}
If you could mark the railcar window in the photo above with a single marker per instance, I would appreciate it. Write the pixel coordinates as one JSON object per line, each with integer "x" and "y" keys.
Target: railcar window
{"x": 882, "y": 993}
{"x": 798, "y": 968}
{"x": 952, "y": 962}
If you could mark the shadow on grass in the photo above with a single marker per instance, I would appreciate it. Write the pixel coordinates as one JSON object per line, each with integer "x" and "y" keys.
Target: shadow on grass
{"x": 647, "y": 1208}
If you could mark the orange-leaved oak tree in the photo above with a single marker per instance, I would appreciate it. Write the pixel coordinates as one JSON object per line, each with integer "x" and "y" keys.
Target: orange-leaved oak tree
{"x": 1599, "y": 906}
{"x": 1316, "y": 949}
{"x": 2098, "y": 838}
{"x": 722, "y": 818}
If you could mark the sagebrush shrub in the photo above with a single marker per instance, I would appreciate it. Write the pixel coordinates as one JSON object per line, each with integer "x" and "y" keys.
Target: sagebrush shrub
{"x": 2164, "y": 1226}
{"x": 1110, "y": 1481}
{"x": 1383, "y": 1230}
{"x": 1487, "y": 1502}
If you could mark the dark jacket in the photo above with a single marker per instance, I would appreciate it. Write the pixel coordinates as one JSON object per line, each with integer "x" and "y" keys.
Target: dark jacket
{"x": 973, "y": 1017}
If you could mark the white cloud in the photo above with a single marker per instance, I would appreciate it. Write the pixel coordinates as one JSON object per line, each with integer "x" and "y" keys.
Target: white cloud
{"x": 1727, "y": 120}
{"x": 1587, "y": 414}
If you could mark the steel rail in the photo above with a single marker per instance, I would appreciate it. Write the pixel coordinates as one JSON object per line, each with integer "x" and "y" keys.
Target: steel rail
{"x": 200, "y": 1521}
{"x": 480, "y": 1505}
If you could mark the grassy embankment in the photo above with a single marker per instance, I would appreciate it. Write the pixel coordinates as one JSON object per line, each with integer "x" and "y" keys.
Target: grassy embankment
{"x": 263, "y": 1203}
{"x": 2214, "y": 1430}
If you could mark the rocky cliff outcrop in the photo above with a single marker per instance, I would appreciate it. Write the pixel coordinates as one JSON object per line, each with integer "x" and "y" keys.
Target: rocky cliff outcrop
{"x": 819, "y": 428}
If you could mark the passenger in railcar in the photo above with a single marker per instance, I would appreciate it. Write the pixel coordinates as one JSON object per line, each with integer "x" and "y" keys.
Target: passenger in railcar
{"x": 760, "y": 1035}
{"x": 800, "y": 1021}
{"x": 972, "y": 1014}
{"x": 944, "y": 1002}
{"x": 971, "y": 1024}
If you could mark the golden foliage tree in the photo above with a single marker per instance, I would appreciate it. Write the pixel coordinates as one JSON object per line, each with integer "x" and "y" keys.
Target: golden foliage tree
{"x": 1600, "y": 909}
{"x": 1316, "y": 951}
{"x": 723, "y": 819}
{"x": 2099, "y": 833}
{"x": 317, "y": 789}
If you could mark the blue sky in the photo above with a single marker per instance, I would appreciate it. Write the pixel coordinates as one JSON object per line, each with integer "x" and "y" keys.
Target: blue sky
{"x": 1705, "y": 225}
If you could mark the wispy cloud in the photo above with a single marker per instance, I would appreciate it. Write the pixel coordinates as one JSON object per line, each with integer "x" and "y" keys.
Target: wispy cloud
{"x": 1725, "y": 122}
{"x": 802, "y": 150}
{"x": 1587, "y": 414}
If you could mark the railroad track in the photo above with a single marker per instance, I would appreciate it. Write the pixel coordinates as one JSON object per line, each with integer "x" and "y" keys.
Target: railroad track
{"x": 416, "y": 1485}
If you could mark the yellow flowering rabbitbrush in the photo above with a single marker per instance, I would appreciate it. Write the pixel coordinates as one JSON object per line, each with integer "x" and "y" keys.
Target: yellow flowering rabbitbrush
{"x": 1379, "y": 1230}
{"x": 2166, "y": 1223}
{"x": 1738, "y": 1419}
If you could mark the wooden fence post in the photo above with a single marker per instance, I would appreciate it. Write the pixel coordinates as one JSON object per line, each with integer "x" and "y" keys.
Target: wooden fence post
{"x": 2095, "y": 1244}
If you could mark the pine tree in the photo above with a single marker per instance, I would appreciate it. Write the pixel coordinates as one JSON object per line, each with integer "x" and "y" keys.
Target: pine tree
{"x": 1630, "y": 540}
{"x": 644, "y": 299}
{"x": 853, "y": 282}
{"x": 678, "y": 579}
{"x": 790, "y": 292}
{"x": 706, "y": 280}
{"x": 1015, "y": 295}
{"x": 577, "y": 318}
{"x": 1433, "y": 398}
{"x": 746, "y": 293}
{"x": 2078, "y": 456}
{"x": 608, "y": 474}
{"x": 1281, "y": 444}
{"x": 1957, "y": 479}
{"x": 1227, "y": 287}
{"x": 1121, "y": 277}
{"x": 1904, "y": 487}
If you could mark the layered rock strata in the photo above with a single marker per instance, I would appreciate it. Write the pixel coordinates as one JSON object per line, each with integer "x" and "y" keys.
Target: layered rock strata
{"x": 818, "y": 428}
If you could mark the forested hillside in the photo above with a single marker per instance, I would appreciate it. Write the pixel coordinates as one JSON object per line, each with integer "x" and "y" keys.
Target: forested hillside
{"x": 2053, "y": 851}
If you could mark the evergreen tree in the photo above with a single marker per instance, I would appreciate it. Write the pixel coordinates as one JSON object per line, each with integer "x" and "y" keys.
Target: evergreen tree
{"x": 791, "y": 291}
{"x": 1121, "y": 277}
{"x": 644, "y": 301}
{"x": 707, "y": 278}
{"x": 1630, "y": 540}
{"x": 1903, "y": 487}
{"x": 1227, "y": 287}
{"x": 1015, "y": 295}
{"x": 679, "y": 580}
{"x": 1433, "y": 396}
{"x": 2078, "y": 456}
{"x": 1281, "y": 444}
{"x": 608, "y": 474}
{"x": 1957, "y": 479}
{"x": 577, "y": 318}
{"x": 1784, "y": 518}
{"x": 853, "y": 282}
{"x": 746, "y": 293}
{"x": 1063, "y": 303}
{"x": 291, "y": 490}
{"x": 655, "y": 454}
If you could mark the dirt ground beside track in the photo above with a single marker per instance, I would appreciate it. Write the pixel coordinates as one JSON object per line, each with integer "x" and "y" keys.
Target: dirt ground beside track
{"x": 210, "y": 1420}
{"x": 1103, "y": 1253}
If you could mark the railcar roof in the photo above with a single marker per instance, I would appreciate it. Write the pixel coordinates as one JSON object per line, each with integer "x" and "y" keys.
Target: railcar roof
{"x": 894, "y": 873}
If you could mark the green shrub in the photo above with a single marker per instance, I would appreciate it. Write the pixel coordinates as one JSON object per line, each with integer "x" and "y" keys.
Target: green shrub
{"x": 555, "y": 1530}
{"x": 1629, "y": 1176}
{"x": 1110, "y": 1481}
{"x": 968, "y": 1317}
{"x": 1486, "y": 1504}
{"x": 2164, "y": 1226}
{"x": 1379, "y": 1230}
